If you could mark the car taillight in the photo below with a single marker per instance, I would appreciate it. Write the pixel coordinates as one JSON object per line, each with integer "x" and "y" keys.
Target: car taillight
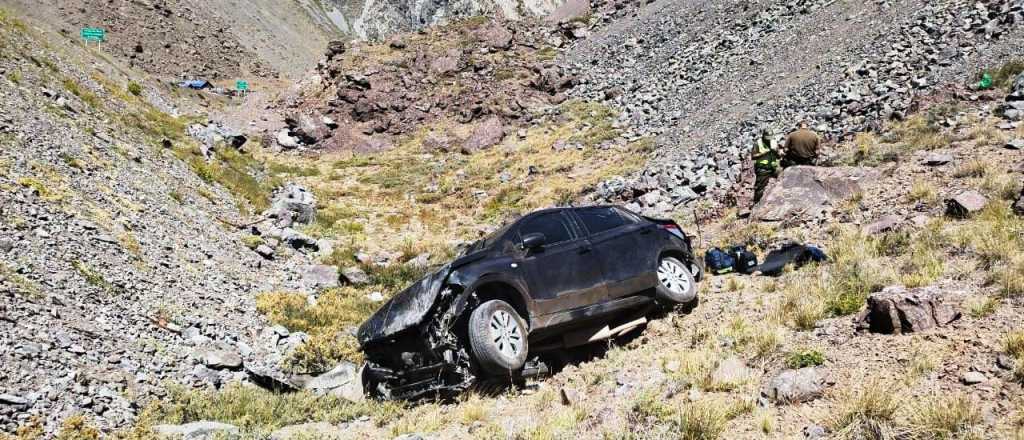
{"x": 674, "y": 229}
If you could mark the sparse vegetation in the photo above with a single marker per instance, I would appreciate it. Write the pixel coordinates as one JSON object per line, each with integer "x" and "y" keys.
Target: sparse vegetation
{"x": 978, "y": 308}
{"x": 93, "y": 277}
{"x": 257, "y": 411}
{"x": 86, "y": 95}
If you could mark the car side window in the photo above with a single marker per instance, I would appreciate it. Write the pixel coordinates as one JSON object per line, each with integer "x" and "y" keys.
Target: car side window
{"x": 629, "y": 217}
{"x": 553, "y": 225}
{"x": 598, "y": 220}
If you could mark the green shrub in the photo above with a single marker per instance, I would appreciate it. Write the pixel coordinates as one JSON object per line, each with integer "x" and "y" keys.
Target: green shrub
{"x": 134, "y": 88}
{"x": 804, "y": 358}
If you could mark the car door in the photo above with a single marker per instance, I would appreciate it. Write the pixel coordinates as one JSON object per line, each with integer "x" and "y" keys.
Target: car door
{"x": 563, "y": 274}
{"x": 618, "y": 243}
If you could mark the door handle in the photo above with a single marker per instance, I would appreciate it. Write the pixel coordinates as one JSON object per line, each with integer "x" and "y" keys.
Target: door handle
{"x": 585, "y": 250}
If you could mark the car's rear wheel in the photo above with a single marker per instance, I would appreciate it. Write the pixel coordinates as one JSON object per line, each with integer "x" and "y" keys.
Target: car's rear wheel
{"x": 497, "y": 335}
{"x": 675, "y": 282}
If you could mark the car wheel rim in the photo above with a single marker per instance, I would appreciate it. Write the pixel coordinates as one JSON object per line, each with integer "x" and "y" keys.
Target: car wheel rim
{"x": 505, "y": 334}
{"x": 673, "y": 276}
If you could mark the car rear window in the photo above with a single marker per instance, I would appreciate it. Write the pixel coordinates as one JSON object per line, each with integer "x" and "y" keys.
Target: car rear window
{"x": 552, "y": 225}
{"x": 600, "y": 219}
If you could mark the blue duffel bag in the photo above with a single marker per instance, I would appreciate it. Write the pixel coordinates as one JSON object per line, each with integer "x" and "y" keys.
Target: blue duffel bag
{"x": 718, "y": 262}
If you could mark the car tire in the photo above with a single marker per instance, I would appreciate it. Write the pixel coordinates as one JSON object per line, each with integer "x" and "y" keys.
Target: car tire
{"x": 676, "y": 284}
{"x": 497, "y": 336}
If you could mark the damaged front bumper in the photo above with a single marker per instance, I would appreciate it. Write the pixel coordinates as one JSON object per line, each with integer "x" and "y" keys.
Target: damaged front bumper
{"x": 412, "y": 346}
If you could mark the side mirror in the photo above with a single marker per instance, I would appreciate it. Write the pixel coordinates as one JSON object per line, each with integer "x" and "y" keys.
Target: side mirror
{"x": 534, "y": 240}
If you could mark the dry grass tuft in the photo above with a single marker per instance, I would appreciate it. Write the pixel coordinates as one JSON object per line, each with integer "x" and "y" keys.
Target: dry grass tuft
{"x": 944, "y": 417}
{"x": 865, "y": 409}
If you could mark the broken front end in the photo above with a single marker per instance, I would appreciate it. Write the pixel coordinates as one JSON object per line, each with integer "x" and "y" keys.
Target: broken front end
{"x": 412, "y": 344}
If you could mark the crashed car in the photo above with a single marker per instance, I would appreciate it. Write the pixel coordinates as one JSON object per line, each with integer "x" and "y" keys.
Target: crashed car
{"x": 552, "y": 280}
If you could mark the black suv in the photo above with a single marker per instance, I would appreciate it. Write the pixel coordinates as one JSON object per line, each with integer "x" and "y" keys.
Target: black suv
{"x": 553, "y": 279}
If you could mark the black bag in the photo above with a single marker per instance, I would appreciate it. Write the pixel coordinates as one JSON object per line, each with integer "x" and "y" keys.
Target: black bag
{"x": 718, "y": 261}
{"x": 745, "y": 261}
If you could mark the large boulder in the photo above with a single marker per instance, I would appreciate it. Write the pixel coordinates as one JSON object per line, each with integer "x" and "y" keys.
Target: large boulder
{"x": 204, "y": 430}
{"x": 309, "y": 129}
{"x": 966, "y": 204}
{"x": 292, "y": 204}
{"x": 806, "y": 191}
{"x": 486, "y": 135}
{"x": 898, "y": 310}
{"x": 321, "y": 276}
{"x": 795, "y": 386}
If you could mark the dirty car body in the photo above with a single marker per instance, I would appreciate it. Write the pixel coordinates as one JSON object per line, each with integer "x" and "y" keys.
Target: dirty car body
{"x": 570, "y": 274}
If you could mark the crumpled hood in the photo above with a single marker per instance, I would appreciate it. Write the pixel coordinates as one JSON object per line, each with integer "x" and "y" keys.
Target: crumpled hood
{"x": 406, "y": 310}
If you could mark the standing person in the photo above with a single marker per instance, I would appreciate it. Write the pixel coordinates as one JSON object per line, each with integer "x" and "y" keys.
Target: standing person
{"x": 801, "y": 147}
{"x": 766, "y": 162}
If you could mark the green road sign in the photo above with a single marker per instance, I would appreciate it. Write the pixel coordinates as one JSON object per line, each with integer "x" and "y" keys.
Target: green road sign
{"x": 94, "y": 34}
{"x": 242, "y": 86}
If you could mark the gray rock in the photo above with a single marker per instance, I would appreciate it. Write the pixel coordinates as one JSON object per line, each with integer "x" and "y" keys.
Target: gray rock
{"x": 1015, "y": 144}
{"x": 885, "y": 224}
{"x": 321, "y": 276}
{"x": 570, "y": 10}
{"x": 420, "y": 261}
{"x": 308, "y": 129}
{"x": 265, "y": 251}
{"x": 805, "y": 191}
{"x": 898, "y": 310}
{"x": 286, "y": 140}
{"x": 732, "y": 370}
{"x": 204, "y": 430}
{"x": 318, "y": 430}
{"x": 814, "y": 432}
{"x": 343, "y": 381}
{"x": 10, "y": 399}
{"x": 973, "y": 378}
{"x": 795, "y": 386}
{"x": 966, "y": 204}
{"x": 355, "y": 276}
{"x": 936, "y": 159}
{"x": 409, "y": 437}
{"x": 294, "y": 202}
{"x": 219, "y": 359}
{"x": 342, "y": 374}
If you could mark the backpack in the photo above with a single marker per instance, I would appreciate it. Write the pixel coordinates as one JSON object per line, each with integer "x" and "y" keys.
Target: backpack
{"x": 745, "y": 261}
{"x": 718, "y": 261}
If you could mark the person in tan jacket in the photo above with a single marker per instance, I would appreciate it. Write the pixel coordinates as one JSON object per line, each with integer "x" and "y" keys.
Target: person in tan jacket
{"x": 802, "y": 147}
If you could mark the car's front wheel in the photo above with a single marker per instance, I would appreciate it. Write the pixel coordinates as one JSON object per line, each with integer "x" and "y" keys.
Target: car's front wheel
{"x": 675, "y": 282}
{"x": 497, "y": 335}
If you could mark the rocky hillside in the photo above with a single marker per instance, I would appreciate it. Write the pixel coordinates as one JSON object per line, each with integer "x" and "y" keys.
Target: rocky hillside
{"x": 226, "y": 40}
{"x": 119, "y": 267}
{"x": 706, "y": 76}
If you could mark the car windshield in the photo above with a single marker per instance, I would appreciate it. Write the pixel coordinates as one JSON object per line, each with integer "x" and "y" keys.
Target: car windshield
{"x": 487, "y": 241}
